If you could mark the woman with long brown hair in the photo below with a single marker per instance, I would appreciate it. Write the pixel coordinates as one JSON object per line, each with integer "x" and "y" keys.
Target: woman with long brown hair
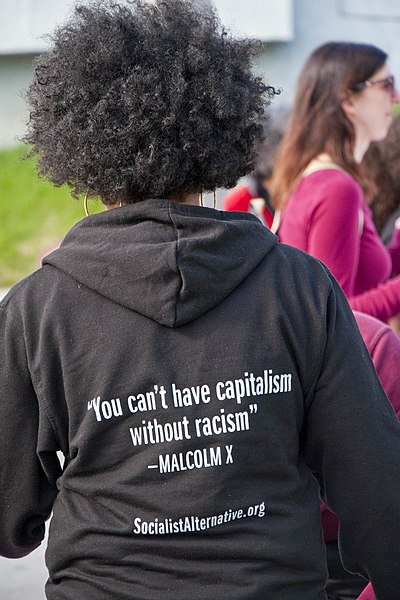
{"x": 343, "y": 103}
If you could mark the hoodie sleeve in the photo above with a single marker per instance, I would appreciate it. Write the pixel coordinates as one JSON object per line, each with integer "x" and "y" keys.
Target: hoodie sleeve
{"x": 384, "y": 348}
{"x": 27, "y": 473}
{"x": 352, "y": 443}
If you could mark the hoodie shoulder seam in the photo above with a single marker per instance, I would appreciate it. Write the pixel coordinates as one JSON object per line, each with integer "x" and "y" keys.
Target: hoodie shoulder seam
{"x": 176, "y": 261}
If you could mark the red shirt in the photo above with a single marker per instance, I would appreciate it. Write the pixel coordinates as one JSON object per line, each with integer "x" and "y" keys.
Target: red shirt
{"x": 239, "y": 199}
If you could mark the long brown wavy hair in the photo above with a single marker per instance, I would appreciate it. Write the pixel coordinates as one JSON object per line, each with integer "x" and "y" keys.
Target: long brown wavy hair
{"x": 382, "y": 163}
{"x": 318, "y": 122}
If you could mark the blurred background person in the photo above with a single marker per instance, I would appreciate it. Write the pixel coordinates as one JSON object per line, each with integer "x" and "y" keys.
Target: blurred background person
{"x": 382, "y": 164}
{"x": 343, "y": 103}
{"x": 253, "y": 196}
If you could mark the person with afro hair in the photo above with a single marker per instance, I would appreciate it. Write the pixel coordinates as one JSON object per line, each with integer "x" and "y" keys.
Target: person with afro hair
{"x": 203, "y": 382}
{"x": 150, "y": 103}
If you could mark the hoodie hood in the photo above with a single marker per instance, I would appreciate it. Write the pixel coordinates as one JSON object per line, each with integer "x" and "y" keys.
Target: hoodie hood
{"x": 170, "y": 262}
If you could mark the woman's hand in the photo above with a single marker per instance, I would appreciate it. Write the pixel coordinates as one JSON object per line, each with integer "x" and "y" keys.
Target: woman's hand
{"x": 394, "y": 323}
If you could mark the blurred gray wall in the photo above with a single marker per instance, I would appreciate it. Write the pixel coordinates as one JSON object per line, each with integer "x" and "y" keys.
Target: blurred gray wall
{"x": 289, "y": 29}
{"x": 318, "y": 21}
{"x": 23, "y": 25}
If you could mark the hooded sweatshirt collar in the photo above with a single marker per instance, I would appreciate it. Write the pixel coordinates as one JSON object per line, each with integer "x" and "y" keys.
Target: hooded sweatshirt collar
{"x": 170, "y": 262}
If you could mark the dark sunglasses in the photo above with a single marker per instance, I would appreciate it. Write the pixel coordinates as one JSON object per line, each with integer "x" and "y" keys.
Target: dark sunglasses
{"x": 388, "y": 84}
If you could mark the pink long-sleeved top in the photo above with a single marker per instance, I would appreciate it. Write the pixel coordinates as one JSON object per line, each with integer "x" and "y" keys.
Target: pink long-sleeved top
{"x": 326, "y": 216}
{"x": 367, "y": 594}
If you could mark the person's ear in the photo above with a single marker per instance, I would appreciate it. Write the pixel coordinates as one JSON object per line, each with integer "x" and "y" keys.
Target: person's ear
{"x": 348, "y": 105}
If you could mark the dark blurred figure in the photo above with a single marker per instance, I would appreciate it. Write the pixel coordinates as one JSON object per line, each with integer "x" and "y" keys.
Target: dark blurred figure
{"x": 382, "y": 161}
{"x": 253, "y": 196}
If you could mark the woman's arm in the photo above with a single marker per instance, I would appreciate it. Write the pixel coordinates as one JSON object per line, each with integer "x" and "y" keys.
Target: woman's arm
{"x": 382, "y": 302}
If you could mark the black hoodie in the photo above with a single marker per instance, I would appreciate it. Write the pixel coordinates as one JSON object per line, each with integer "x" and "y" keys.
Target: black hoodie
{"x": 200, "y": 378}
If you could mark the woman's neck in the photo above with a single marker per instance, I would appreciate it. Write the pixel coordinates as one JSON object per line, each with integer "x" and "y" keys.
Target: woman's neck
{"x": 360, "y": 147}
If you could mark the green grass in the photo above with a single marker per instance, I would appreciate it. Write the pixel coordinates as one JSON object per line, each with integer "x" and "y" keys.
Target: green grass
{"x": 34, "y": 216}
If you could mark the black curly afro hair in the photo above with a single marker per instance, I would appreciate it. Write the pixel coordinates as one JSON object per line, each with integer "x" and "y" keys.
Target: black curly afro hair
{"x": 145, "y": 99}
